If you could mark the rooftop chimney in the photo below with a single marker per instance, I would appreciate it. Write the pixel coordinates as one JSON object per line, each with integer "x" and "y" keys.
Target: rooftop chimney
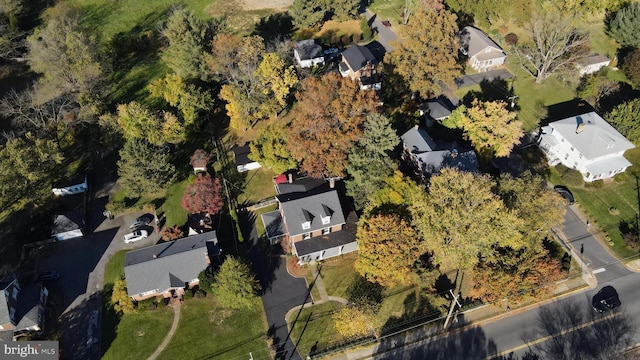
{"x": 290, "y": 178}
{"x": 580, "y": 128}
{"x": 155, "y": 256}
{"x": 332, "y": 183}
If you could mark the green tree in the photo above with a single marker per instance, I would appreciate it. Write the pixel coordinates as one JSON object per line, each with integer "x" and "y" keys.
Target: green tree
{"x": 461, "y": 220}
{"x": 188, "y": 41}
{"x": 28, "y": 165}
{"x": 143, "y": 168}
{"x": 235, "y": 286}
{"x": 344, "y": 9}
{"x": 12, "y": 10}
{"x": 624, "y": 118}
{"x": 624, "y": 25}
{"x": 327, "y": 123}
{"x": 122, "y": 303}
{"x": 490, "y": 127}
{"x": 388, "y": 249}
{"x": 307, "y": 13}
{"x": 368, "y": 162}
{"x": 188, "y": 98}
{"x": 630, "y": 66}
{"x": 206, "y": 278}
{"x": 597, "y": 87}
{"x": 136, "y": 121}
{"x": 426, "y": 55}
{"x": 539, "y": 207}
{"x": 367, "y": 31}
{"x": 270, "y": 150}
{"x": 66, "y": 56}
{"x": 556, "y": 45}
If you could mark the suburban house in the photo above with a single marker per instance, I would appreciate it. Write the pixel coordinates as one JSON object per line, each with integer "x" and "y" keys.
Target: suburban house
{"x": 311, "y": 220}
{"x": 483, "y": 53}
{"x": 593, "y": 63}
{"x": 69, "y": 220}
{"x": 75, "y": 185}
{"x": 241, "y": 156}
{"x": 429, "y": 157}
{"x": 169, "y": 268}
{"x": 22, "y": 309}
{"x": 308, "y": 54}
{"x": 586, "y": 143}
{"x": 436, "y": 110}
{"x": 359, "y": 64}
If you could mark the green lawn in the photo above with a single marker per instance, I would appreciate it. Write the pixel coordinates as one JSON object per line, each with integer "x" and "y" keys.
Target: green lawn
{"x": 339, "y": 276}
{"x": 171, "y": 207}
{"x": 257, "y": 185}
{"x": 139, "y": 334}
{"x": 596, "y": 202}
{"x": 388, "y": 10}
{"x": 207, "y": 330}
{"x": 258, "y": 220}
{"x": 114, "y": 268}
{"x": 314, "y": 326}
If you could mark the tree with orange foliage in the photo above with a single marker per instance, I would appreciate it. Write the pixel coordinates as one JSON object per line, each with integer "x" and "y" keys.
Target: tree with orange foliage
{"x": 328, "y": 122}
{"x": 203, "y": 196}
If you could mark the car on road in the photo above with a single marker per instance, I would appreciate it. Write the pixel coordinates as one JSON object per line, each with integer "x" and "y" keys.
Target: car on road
{"x": 135, "y": 236}
{"x": 141, "y": 221}
{"x": 50, "y": 275}
{"x": 565, "y": 193}
{"x": 606, "y": 299}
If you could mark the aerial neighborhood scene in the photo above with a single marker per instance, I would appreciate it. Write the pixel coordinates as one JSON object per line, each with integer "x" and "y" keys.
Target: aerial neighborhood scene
{"x": 320, "y": 179}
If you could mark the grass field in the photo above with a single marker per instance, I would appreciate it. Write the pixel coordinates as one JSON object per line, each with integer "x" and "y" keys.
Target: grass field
{"x": 171, "y": 207}
{"x": 314, "y": 327}
{"x": 206, "y": 330}
{"x": 257, "y": 185}
{"x": 388, "y": 10}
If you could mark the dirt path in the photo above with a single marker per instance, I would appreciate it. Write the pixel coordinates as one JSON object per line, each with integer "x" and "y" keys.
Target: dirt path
{"x": 265, "y": 4}
{"x": 174, "y": 327}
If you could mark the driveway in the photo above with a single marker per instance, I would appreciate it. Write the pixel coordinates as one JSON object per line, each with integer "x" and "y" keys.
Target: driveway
{"x": 385, "y": 34}
{"x": 281, "y": 291}
{"x": 475, "y": 79}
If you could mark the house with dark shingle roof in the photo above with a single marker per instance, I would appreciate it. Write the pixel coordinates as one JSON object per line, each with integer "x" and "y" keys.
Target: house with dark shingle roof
{"x": 587, "y": 143}
{"x": 430, "y": 157}
{"x": 308, "y": 54}
{"x": 169, "y": 268}
{"x": 22, "y": 309}
{"x": 311, "y": 220}
{"x": 437, "y": 109}
{"x": 359, "y": 64}
{"x": 241, "y": 157}
{"x": 484, "y": 54}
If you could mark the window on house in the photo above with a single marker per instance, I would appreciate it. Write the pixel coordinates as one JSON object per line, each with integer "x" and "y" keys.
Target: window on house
{"x": 306, "y": 225}
{"x": 580, "y": 156}
{"x": 326, "y": 231}
{"x": 562, "y": 139}
{"x": 148, "y": 293}
{"x": 326, "y": 220}
{"x": 572, "y": 148}
{"x": 566, "y": 156}
{"x": 306, "y": 236}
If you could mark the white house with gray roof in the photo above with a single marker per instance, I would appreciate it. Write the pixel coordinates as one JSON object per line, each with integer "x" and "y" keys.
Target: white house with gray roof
{"x": 484, "y": 54}
{"x": 586, "y": 143}
{"x": 308, "y": 54}
{"x": 169, "y": 268}
{"x": 312, "y": 223}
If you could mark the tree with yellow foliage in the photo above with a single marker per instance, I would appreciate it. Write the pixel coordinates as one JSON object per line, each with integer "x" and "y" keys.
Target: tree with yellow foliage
{"x": 356, "y": 320}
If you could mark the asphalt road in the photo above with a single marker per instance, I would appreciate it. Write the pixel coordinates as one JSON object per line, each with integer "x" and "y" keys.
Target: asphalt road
{"x": 385, "y": 34}
{"x": 512, "y": 333}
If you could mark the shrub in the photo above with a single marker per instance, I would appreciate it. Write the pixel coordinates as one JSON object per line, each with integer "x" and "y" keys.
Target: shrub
{"x": 188, "y": 294}
{"x": 511, "y": 39}
{"x": 367, "y": 32}
{"x": 630, "y": 66}
{"x": 199, "y": 294}
{"x": 571, "y": 178}
{"x": 147, "y": 304}
{"x": 621, "y": 178}
{"x": 172, "y": 233}
{"x": 598, "y": 184}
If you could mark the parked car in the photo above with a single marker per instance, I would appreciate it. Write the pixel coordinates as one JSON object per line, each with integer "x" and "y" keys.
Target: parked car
{"x": 565, "y": 193}
{"x": 135, "y": 236}
{"x": 605, "y": 299}
{"x": 50, "y": 275}
{"x": 141, "y": 221}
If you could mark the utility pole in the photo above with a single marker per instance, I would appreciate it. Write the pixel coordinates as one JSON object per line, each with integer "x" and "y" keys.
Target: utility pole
{"x": 454, "y": 302}
{"x": 233, "y": 221}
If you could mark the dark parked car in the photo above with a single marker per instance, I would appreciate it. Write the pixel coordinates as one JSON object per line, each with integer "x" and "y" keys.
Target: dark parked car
{"x": 565, "y": 193}
{"x": 50, "y": 275}
{"x": 141, "y": 221}
{"x": 606, "y": 299}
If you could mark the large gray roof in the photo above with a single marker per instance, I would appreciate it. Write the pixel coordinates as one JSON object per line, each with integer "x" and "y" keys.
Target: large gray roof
{"x": 5, "y": 293}
{"x": 437, "y": 109}
{"x": 311, "y": 208}
{"x": 433, "y": 161}
{"x": 597, "y": 138}
{"x": 418, "y": 140}
{"x": 475, "y": 41}
{"x": 300, "y": 185}
{"x": 170, "y": 264}
{"x": 358, "y": 56}
{"x": 69, "y": 221}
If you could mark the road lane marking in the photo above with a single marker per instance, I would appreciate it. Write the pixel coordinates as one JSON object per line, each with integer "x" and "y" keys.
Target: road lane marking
{"x": 597, "y": 271}
{"x": 563, "y": 332}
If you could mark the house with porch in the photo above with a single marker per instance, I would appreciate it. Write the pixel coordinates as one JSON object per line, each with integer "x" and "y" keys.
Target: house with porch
{"x": 169, "y": 268}
{"x": 22, "y": 309}
{"x": 586, "y": 143}
{"x": 359, "y": 64}
{"x": 311, "y": 221}
{"x": 483, "y": 53}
